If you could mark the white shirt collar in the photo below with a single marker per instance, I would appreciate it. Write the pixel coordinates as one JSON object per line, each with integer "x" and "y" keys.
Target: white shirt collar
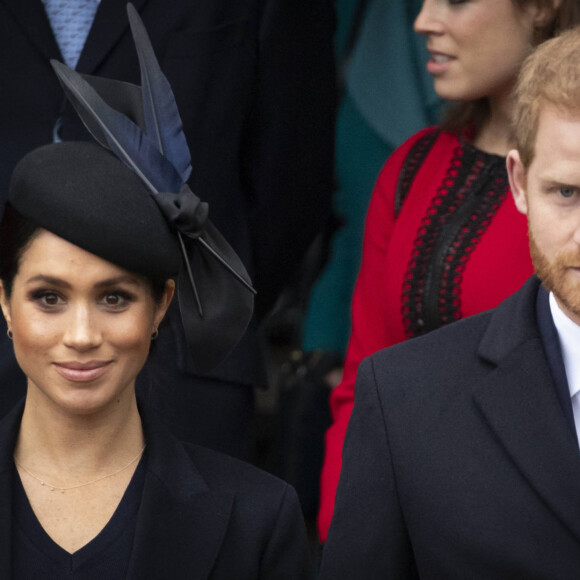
{"x": 569, "y": 333}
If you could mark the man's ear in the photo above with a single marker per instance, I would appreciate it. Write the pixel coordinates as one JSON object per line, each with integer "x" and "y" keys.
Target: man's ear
{"x": 517, "y": 177}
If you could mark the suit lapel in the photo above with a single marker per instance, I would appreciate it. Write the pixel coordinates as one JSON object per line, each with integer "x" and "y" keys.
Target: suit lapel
{"x": 180, "y": 517}
{"x": 110, "y": 23}
{"x": 32, "y": 18}
{"x": 520, "y": 405}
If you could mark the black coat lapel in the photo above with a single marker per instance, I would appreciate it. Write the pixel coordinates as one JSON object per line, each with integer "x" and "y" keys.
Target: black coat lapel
{"x": 8, "y": 432}
{"x": 31, "y": 17}
{"x": 553, "y": 350}
{"x": 519, "y": 402}
{"x": 181, "y": 523}
{"x": 110, "y": 23}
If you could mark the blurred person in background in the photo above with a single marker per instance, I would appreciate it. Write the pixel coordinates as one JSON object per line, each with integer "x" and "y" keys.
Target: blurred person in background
{"x": 387, "y": 96}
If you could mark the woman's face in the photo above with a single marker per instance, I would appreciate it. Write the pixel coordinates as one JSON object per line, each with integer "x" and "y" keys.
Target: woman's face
{"x": 81, "y": 326}
{"x": 476, "y": 46}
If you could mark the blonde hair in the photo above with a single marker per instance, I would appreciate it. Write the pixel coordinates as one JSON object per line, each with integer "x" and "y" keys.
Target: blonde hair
{"x": 551, "y": 74}
{"x": 473, "y": 114}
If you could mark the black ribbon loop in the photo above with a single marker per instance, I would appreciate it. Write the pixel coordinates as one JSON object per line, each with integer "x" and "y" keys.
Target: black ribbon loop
{"x": 215, "y": 294}
{"x": 184, "y": 210}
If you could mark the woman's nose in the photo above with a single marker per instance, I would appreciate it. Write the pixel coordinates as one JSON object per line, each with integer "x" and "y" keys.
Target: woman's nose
{"x": 82, "y": 332}
{"x": 428, "y": 20}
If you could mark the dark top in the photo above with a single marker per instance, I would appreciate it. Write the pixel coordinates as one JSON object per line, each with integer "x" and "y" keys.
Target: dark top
{"x": 36, "y": 555}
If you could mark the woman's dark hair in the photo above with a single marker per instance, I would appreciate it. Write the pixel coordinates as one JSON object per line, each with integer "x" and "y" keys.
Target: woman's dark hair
{"x": 17, "y": 233}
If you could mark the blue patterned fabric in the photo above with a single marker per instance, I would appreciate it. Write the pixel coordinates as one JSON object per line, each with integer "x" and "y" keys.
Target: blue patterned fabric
{"x": 71, "y": 21}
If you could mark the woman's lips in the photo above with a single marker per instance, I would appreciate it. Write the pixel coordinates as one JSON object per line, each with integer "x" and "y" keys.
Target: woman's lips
{"x": 82, "y": 372}
{"x": 439, "y": 62}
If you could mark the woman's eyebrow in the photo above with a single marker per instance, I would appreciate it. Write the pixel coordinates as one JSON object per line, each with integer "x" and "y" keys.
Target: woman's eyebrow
{"x": 54, "y": 281}
{"x": 123, "y": 279}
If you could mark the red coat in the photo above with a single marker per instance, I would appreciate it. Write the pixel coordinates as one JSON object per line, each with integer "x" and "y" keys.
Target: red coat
{"x": 457, "y": 247}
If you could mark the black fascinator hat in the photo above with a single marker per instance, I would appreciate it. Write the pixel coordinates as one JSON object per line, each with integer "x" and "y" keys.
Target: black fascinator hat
{"x": 84, "y": 194}
{"x": 126, "y": 200}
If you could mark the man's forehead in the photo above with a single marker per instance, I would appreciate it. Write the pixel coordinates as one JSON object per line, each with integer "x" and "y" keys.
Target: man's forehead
{"x": 557, "y": 145}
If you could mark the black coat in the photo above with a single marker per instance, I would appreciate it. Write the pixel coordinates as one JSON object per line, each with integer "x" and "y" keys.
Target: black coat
{"x": 458, "y": 460}
{"x": 254, "y": 82}
{"x": 203, "y": 515}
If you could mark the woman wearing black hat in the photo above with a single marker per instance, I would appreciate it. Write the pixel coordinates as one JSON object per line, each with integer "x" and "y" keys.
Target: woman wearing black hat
{"x": 91, "y": 486}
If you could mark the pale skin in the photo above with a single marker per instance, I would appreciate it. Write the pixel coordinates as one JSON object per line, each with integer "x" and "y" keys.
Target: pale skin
{"x": 477, "y": 48}
{"x": 81, "y": 329}
{"x": 548, "y": 193}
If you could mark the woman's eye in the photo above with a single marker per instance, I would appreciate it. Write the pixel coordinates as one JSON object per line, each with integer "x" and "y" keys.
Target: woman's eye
{"x": 566, "y": 191}
{"x": 116, "y": 300}
{"x": 113, "y": 300}
{"x": 49, "y": 299}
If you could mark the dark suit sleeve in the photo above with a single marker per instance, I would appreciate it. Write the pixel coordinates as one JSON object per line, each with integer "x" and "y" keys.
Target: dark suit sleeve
{"x": 289, "y": 138}
{"x": 287, "y": 556}
{"x": 367, "y": 538}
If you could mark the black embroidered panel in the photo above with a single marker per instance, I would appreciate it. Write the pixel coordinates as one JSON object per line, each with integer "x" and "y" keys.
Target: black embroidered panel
{"x": 473, "y": 189}
{"x": 413, "y": 161}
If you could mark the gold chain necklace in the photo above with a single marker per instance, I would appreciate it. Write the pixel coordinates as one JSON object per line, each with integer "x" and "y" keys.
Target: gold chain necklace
{"x": 45, "y": 483}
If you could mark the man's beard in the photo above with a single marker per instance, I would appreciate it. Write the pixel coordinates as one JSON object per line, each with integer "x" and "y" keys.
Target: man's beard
{"x": 556, "y": 277}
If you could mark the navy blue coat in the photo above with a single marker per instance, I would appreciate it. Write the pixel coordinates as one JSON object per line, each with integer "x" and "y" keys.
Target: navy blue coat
{"x": 458, "y": 460}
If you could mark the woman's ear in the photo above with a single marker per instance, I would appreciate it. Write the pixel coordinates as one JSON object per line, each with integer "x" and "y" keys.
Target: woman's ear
{"x": 165, "y": 301}
{"x": 5, "y": 305}
{"x": 544, "y": 13}
{"x": 517, "y": 178}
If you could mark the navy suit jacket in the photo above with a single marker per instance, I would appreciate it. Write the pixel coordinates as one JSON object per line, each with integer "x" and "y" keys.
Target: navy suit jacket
{"x": 203, "y": 515}
{"x": 458, "y": 460}
{"x": 254, "y": 82}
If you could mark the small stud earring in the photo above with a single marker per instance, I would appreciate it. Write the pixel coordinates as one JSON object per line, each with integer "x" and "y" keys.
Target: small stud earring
{"x": 155, "y": 334}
